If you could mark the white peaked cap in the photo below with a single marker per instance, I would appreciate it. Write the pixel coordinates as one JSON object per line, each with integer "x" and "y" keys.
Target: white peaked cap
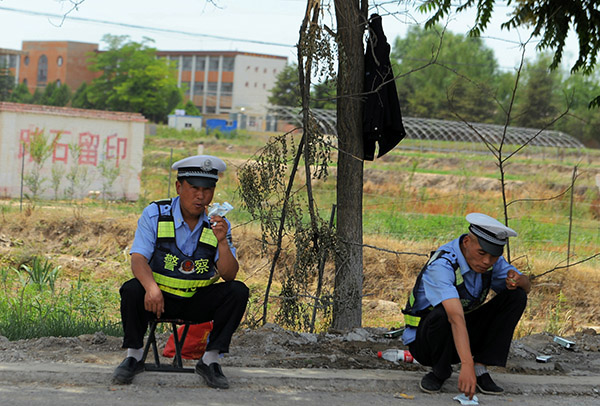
{"x": 491, "y": 234}
{"x": 200, "y": 170}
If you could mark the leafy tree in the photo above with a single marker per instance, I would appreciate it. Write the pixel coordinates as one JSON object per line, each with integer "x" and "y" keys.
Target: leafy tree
{"x": 286, "y": 91}
{"x": 39, "y": 148}
{"x": 37, "y": 96}
{"x": 55, "y": 95}
{"x": 449, "y": 75}
{"x": 581, "y": 122}
{"x": 550, "y": 19}
{"x": 7, "y": 83}
{"x": 47, "y": 93}
{"x": 80, "y": 98}
{"x": 133, "y": 79}
{"x": 538, "y": 103}
{"x": 21, "y": 94}
{"x": 191, "y": 109}
{"x": 505, "y": 84}
{"x": 323, "y": 95}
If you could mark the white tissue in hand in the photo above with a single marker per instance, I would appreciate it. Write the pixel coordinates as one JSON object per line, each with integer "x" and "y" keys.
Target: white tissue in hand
{"x": 217, "y": 209}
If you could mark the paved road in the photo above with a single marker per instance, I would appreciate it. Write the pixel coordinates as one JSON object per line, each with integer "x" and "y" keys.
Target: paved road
{"x": 46, "y": 384}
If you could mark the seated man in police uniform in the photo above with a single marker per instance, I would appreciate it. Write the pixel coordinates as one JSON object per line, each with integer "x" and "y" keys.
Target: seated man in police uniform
{"x": 177, "y": 255}
{"x": 446, "y": 319}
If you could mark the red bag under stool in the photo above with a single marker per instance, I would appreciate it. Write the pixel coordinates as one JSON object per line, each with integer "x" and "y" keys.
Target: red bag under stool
{"x": 195, "y": 341}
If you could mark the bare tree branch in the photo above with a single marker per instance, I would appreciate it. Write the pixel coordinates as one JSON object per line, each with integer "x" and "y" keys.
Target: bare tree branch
{"x": 545, "y": 198}
{"x": 563, "y": 267}
{"x": 74, "y": 6}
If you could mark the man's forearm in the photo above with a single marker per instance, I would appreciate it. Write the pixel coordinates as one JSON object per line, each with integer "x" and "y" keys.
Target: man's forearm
{"x": 142, "y": 271}
{"x": 456, "y": 318}
{"x": 227, "y": 264}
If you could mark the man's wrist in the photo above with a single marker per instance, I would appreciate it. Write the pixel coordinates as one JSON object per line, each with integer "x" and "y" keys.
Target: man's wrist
{"x": 467, "y": 363}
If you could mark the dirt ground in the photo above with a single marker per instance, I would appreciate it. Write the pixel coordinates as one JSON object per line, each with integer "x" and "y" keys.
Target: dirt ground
{"x": 270, "y": 346}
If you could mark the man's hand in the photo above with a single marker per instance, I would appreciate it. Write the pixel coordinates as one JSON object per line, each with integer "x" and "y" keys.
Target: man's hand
{"x": 467, "y": 382}
{"x": 516, "y": 280}
{"x": 154, "y": 301}
{"x": 219, "y": 227}
{"x": 227, "y": 265}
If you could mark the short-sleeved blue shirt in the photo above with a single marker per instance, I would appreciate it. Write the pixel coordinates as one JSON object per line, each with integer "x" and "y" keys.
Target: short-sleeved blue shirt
{"x": 145, "y": 235}
{"x": 437, "y": 283}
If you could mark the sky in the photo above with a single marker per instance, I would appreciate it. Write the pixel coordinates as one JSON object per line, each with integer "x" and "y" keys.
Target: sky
{"x": 262, "y": 26}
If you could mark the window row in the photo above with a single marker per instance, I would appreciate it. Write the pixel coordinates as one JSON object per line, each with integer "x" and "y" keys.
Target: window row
{"x": 8, "y": 61}
{"x": 211, "y": 87}
{"x": 43, "y": 59}
{"x": 258, "y": 68}
{"x": 264, "y": 85}
{"x": 187, "y": 63}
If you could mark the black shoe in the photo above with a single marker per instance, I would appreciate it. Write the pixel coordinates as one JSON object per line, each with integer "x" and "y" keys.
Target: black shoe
{"x": 486, "y": 385}
{"x": 431, "y": 383}
{"x": 125, "y": 372}
{"x": 212, "y": 374}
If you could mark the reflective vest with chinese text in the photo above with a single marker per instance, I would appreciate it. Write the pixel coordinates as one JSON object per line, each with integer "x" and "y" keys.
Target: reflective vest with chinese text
{"x": 175, "y": 272}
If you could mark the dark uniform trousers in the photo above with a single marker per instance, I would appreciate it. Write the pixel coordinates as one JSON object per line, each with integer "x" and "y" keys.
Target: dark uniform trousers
{"x": 490, "y": 327}
{"x": 223, "y": 303}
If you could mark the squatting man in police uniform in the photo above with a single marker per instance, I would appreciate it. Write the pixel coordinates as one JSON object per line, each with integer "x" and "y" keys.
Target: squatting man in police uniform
{"x": 177, "y": 255}
{"x": 446, "y": 319}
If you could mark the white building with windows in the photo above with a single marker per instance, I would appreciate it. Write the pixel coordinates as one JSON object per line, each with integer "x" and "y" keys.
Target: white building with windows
{"x": 228, "y": 84}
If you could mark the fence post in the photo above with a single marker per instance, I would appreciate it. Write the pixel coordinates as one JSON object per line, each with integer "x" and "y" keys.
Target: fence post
{"x": 22, "y": 176}
{"x": 571, "y": 215}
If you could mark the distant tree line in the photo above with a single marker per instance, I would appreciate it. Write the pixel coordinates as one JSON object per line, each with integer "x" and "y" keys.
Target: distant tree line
{"x": 132, "y": 79}
{"x": 452, "y": 76}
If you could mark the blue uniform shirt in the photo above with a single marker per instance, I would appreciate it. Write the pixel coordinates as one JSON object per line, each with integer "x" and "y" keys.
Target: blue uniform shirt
{"x": 437, "y": 283}
{"x": 145, "y": 235}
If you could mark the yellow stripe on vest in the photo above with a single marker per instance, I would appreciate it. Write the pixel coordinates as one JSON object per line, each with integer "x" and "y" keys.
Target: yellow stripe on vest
{"x": 178, "y": 292}
{"x": 166, "y": 229}
{"x": 176, "y": 283}
{"x": 208, "y": 237}
{"x": 459, "y": 277}
{"x": 412, "y": 321}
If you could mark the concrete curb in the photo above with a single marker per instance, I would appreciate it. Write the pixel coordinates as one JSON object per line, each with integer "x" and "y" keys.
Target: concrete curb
{"x": 380, "y": 381}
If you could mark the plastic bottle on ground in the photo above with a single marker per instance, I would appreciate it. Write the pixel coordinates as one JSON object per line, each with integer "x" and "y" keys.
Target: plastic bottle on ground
{"x": 396, "y": 355}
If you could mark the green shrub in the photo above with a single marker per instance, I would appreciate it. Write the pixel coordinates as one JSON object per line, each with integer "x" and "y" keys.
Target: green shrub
{"x": 29, "y": 310}
{"x": 41, "y": 274}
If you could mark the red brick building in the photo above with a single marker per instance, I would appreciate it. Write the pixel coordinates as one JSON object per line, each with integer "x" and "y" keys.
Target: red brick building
{"x": 64, "y": 62}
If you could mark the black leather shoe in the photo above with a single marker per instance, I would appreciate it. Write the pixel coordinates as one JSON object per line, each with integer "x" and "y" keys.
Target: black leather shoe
{"x": 486, "y": 385}
{"x": 125, "y": 372}
{"x": 212, "y": 374}
{"x": 431, "y": 383}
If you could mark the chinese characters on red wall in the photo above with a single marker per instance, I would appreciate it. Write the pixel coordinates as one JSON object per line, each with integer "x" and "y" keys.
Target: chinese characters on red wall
{"x": 90, "y": 146}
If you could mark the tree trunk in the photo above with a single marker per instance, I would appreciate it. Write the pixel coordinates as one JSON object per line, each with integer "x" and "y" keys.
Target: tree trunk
{"x": 351, "y": 17}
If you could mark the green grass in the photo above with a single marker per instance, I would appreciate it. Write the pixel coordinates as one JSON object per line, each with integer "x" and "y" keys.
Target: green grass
{"x": 31, "y": 308}
{"x": 415, "y": 227}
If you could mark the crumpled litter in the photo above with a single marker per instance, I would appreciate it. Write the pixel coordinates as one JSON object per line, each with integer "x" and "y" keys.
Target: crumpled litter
{"x": 404, "y": 396}
{"x": 465, "y": 400}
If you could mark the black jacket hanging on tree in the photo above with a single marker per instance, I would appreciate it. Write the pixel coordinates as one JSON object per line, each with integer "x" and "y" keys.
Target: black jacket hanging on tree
{"x": 382, "y": 120}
